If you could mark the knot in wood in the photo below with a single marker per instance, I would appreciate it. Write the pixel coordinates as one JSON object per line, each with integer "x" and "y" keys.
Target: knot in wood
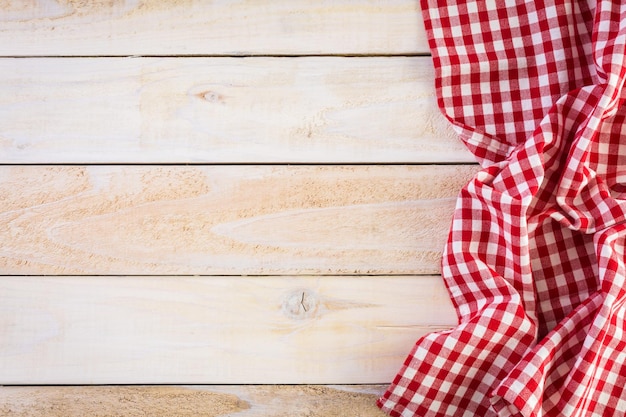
{"x": 300, "y": 304}
{"x": 211, "y": 96}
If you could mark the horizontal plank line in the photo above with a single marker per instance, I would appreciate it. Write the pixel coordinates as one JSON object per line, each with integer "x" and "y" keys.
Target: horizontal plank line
{"x": 320, "y": 275}
{"x": 208, "y": 164}
{"x": 217, "y": 56}
{"x": 163, "y": 384}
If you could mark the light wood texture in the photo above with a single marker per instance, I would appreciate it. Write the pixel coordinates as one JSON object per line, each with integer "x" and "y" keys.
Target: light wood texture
{"x": 192, "y": 401}
{"x": 230, "y": 110}
{"x": 160, "y": 220}
{"x": 85, "y": 330}
{"x": 309, "y": 274}
{"x": 179, "y": 27}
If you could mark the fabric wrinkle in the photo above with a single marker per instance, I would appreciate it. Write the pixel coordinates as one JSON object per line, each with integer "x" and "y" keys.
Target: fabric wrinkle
{"x": 534, "y": 261}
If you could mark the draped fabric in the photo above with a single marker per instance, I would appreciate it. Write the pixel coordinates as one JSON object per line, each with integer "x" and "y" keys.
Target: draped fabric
{"x": 534, "y": 263}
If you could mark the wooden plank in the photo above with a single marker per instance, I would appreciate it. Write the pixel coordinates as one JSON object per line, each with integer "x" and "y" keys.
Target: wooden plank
{"x": 191, "y": 401}
{"x": 214, "y": 220}
{"x": 229, "y": 110}
{"x": 199, "y": 330}
{"x": 157, "y": 27}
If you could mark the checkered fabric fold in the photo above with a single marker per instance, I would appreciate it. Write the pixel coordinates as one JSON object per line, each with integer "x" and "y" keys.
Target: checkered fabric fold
{"x": 535, "y": 261}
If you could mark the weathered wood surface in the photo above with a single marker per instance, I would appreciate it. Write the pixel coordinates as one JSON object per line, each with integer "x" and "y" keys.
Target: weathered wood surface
{"x": 187, "y": 110}
{"x": 112, "y": 330}
{"x": 182, "y": 27}
{"x": 191, "y": 401}
{"x": 251, "y": 220}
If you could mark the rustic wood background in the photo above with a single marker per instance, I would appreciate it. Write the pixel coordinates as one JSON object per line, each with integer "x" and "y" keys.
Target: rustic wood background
{"x": 218, "y": 192}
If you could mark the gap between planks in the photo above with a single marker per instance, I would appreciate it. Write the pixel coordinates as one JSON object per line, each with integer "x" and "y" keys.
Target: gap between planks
{"x": 242, "y": 164}
{"x": 329, "y": 55}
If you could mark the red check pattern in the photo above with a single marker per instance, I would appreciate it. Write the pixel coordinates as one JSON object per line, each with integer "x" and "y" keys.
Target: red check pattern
{"x": 535, "y": 261}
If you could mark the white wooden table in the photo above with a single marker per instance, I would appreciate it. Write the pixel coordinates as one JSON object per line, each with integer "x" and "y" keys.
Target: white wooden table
{"x": 210, "y": 193}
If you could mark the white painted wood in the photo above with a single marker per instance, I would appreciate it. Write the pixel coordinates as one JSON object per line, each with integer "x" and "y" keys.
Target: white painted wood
{"x": 174, "y": 27}
{"x": 223, "y": 110}
{"x": 214, "y": 220}
{"x": 85, "y": 330}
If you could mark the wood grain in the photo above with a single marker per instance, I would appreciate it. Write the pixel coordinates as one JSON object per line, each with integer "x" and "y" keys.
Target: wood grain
{"x": 225, "y": 110}
{"x": 191, "y": 401}
{"x": 251, "y": 220}
{"x": 242, "y": 330}
{"x": 174, "y": 27}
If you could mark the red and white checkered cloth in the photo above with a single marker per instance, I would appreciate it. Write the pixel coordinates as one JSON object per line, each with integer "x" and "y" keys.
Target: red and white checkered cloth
{"x": 535, "y": 260}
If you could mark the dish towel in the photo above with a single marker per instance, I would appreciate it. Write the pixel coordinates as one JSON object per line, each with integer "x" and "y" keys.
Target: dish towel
{"x": 534, "y": 262}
